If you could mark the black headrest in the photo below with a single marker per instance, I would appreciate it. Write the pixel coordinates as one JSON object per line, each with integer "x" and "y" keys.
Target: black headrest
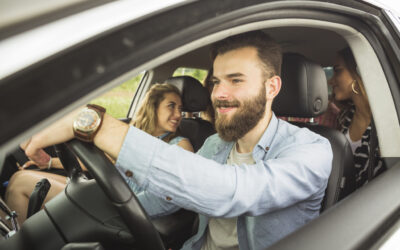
{"x": 195, "y": 97}
{"x": 304, "y": 91}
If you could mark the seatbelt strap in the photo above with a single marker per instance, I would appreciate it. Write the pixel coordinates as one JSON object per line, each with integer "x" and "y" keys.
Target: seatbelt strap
{"x": 373, "y": 144}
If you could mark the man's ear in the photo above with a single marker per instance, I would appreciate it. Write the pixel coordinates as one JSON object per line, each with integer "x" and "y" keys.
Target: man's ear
{"x": 273, "y": 86}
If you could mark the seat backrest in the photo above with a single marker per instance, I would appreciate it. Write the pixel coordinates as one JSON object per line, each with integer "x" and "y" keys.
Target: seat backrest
{"x": 304, "y": 93}
{"x": 195, "y": 98}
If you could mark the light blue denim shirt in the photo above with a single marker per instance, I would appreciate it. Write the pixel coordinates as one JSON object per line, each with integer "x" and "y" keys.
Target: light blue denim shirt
{"x": 138, "y": 189}
{"x": 282, "y": 191}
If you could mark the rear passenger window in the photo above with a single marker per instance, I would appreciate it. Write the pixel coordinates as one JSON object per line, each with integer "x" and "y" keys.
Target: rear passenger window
{"x": 118, "y": 100}
{"x": 199, "y": 74}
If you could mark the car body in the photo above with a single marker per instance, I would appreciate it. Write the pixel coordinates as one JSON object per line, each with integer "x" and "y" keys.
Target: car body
{"x": 56, "y": 60}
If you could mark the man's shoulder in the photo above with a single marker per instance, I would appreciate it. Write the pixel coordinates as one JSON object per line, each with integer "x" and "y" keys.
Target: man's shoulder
{"x": 211, "y": 145}
{"x": 301, "y": 142}
{"x": 213, "y": 139}
{"x": 288, "y": 132}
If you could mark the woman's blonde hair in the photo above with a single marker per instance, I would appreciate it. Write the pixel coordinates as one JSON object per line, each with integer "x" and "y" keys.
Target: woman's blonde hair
{"x": 146, "y": 118}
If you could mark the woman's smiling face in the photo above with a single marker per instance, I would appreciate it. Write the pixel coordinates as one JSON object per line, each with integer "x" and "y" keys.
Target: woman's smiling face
{"x": 169, "y": 114}
{"x": 341, "y": 80}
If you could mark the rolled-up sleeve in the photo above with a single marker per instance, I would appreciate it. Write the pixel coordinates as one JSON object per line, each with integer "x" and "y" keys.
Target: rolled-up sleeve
{"x": 136, "y": 155}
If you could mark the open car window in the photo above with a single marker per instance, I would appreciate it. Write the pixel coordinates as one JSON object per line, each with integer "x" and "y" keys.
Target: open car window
{"x": 199, "y": 74}
{"x": 118, "y": 100}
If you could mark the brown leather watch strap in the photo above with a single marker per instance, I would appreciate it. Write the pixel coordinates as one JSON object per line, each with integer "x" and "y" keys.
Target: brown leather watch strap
{"x": 99, "y": 109}
{"x": 88, "y": 136}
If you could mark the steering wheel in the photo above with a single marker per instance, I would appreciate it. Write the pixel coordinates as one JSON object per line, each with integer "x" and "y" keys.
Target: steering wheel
{"x": 115, "y": 188}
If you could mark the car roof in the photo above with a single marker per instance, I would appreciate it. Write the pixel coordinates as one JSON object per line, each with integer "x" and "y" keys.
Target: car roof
{"x": 319, "y": 45}
{"x": 53, "y": 28}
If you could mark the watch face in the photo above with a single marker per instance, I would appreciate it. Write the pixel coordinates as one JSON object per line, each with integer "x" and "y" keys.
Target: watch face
{"x": 87, "y": 120}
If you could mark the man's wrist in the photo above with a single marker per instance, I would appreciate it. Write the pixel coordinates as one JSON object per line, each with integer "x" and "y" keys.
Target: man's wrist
{"x": 88, "y": 122}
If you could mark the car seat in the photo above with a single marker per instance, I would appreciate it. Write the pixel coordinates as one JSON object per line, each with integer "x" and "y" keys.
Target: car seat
{"x": 195, "y": 98}
{"x": 304, "y": 93}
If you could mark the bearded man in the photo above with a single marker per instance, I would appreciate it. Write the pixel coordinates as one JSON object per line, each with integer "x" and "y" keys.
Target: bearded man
{"x": 253, "y": 182}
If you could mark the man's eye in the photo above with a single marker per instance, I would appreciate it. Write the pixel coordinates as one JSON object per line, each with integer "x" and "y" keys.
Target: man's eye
{"x": 236, "y": 80}
{"x": 214, "y": 82}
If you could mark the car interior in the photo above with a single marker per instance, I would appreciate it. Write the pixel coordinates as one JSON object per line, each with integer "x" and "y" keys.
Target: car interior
{"x": 309, "y": 46}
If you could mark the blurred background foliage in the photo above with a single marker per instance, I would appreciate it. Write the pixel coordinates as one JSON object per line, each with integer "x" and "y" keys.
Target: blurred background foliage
{"x": 118, "y": 100}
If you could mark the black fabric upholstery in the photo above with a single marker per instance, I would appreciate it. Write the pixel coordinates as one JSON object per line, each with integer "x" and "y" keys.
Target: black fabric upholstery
{"x": 197, "y": 130}
{"x": 195, "y": 98}
{"x": 304, "y": 94}
{"x": 299, "y": 90}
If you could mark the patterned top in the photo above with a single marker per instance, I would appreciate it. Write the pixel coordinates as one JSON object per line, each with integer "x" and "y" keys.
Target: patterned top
{"x": 361, "y": 154}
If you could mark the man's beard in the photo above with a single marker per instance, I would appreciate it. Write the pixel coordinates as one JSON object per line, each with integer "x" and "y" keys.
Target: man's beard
{"x": 246, "y": 117}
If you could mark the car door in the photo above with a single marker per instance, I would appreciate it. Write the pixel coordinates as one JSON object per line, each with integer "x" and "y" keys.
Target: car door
{"x": 367, "y": 219}
{"x": 71, "y": 75}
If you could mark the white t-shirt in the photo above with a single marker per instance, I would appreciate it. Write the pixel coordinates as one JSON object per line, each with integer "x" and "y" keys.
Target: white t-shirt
{"x": 222, "y": 232}
{"x": 353, "y": 144}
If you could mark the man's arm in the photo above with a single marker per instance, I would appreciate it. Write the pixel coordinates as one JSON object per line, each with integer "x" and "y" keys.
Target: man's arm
{"x": 199, "y": 184}
{"x": 205, "y": 186}
{"x": 109, "y": 138}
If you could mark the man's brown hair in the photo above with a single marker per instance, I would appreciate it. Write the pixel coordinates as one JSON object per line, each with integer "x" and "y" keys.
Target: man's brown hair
{"x": 268, "y": 50}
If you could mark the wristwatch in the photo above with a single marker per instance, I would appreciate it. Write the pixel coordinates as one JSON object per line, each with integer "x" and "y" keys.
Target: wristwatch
{"x": 88, "y": 122}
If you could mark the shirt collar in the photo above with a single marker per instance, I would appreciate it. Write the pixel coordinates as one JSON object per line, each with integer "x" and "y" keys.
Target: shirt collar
{"x": 266, "y": 139}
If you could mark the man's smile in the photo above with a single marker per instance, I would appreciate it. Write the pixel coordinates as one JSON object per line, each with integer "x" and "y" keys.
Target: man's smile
{"x": 224, "y": 110}
{"x": 224, "y": 107}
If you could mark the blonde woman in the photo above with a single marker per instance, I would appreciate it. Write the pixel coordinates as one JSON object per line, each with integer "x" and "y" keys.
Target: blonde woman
{"x": 159, "y": 115}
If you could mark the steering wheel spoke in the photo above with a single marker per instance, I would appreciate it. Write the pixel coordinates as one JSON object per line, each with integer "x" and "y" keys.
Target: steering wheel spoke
{"x": 118, "y": 192}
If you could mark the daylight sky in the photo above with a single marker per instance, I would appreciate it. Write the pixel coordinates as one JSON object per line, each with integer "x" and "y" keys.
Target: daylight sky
{"x": 393, "y": 4}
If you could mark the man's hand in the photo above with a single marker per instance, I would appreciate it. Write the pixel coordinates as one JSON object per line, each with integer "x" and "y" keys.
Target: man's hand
{"x": 37, "y": 157}
{"x": 40, "y": 159}
{"x": 59, "y": 132}
{"x": 109, "y": 138}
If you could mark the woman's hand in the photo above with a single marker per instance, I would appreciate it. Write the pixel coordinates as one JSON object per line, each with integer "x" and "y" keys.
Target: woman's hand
{"x": 40, "y": 159}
